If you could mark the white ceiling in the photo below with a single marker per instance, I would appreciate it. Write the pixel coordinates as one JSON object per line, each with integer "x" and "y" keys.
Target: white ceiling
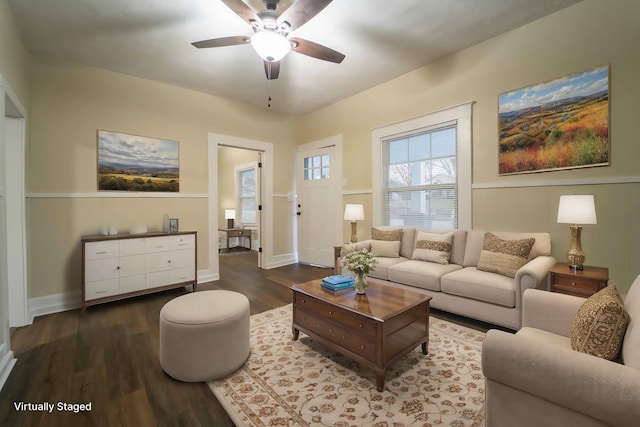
{"x": 381, "y": 39}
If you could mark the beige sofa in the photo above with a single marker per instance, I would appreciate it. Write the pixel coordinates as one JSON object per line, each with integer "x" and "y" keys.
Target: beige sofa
{"x": 460, "y": 287}
{"x": 534, "y": 378}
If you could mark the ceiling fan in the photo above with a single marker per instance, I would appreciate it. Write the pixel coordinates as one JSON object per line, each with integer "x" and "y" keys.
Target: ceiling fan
{"x": 271, "y": 38}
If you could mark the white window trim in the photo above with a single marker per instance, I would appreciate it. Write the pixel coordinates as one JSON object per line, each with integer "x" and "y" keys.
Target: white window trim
{"x": 237, "y": 185}
{"x": 459, "y": 113}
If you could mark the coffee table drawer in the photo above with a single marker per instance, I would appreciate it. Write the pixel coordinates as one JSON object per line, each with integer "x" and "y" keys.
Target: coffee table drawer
{"x": 339, "y": 315}
{"x": 358, "y": 344}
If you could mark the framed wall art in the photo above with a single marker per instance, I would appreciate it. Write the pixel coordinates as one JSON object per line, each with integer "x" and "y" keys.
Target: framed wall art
{"x": 137, "y": 163}
{"x": 559, "y": 124}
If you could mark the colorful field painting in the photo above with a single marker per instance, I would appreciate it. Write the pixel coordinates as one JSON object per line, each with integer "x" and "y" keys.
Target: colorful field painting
{"x": 137, "y": 163}
{"x": 560, "y": 124}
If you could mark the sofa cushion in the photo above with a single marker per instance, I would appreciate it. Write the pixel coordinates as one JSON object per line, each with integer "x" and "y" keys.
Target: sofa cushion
{"x": 433, "y": 247}
{"x": 421, "y": 274}
{"x": 472, "y": 283}
{"x": 407, "y": 237}
{"x": 475, "y": 241}
{"x": 504, "y": 257}
{"x": 631, "y": 342}
{"x": 383, "y": 248}
{"x": 600, "y": 324}
{"x": 381, "y": 271}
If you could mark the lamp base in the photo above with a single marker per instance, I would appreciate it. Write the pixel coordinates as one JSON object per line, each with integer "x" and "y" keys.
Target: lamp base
{"x": 354, "y": 232}
{"x": 230, "y": 224}
{"x": 575, "y": 256}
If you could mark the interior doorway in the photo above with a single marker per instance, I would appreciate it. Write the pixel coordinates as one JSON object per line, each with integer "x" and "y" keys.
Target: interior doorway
{"x": 239, "y": 199}
{"x": 265, "y": 149}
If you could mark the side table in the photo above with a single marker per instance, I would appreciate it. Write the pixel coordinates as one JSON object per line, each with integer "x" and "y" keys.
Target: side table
{"x": 236, "y": 232}
{"x": 581, "y": 283}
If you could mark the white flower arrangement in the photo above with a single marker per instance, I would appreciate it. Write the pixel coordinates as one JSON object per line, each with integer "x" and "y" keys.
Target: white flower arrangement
{"x": 360, "y": 262}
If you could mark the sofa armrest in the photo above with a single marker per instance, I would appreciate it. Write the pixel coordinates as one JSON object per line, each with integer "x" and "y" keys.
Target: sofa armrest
{"x": 350, "y": 247}
{"x": 533, "y": 274}
{"x": 599, "y": 388}
{"x": 549, "y": 311}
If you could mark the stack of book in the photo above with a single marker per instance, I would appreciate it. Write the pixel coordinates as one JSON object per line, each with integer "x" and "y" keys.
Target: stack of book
{"x": 337, "y": 283}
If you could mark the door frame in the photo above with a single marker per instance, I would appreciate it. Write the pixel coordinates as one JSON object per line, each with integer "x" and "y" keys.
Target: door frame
{"x": 335, "y": 141}
{"x": 13, "y": 133}
{"x": 266, "y": 239}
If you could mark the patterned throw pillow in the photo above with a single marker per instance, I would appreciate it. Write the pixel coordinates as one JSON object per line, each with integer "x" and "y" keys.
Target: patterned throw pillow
{"x": 433, "y": 247}
{"x": 504, "y": 257}
{"x": 388, "y": 235}
{"x": 600, "y": 323}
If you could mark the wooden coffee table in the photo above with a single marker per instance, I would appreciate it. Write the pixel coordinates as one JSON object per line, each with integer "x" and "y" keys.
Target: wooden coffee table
{"x": 375, "y": 329}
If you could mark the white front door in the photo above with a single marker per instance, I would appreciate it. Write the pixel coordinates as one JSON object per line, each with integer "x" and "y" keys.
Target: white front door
{"x": 317, "y": 205}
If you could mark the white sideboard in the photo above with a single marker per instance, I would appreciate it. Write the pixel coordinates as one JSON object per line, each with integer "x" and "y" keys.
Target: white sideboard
{"x": 122, "y": 266}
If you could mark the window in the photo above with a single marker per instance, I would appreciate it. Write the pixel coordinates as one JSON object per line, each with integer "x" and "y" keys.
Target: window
{"x": 247, "y": 194}
{"x": 422, "y": 171}
{"x": 421, "y": 180}
{"x": 316, "y": 167}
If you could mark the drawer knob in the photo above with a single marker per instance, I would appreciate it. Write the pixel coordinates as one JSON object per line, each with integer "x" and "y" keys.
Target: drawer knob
{"x": 330, "y": 329}
{"x": 303, "y": 300}
{"x": 362, "y": 347}
{"x": 318, "y": 325}
{"x": 330, "y": 313}
{"x": 573, "y": 283}
{"x": 361, "y": 325}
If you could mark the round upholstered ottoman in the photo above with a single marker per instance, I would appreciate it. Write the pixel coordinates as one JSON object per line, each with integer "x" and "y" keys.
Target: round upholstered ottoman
{"x": 204, "y": 335}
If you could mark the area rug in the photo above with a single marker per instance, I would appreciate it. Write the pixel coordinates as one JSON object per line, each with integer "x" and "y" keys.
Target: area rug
{"x": 302, "y": 383}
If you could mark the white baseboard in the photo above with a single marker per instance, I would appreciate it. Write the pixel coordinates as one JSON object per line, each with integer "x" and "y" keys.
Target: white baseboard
{"x": 53, "y": 304}
{"x": 57, "y": 303}
{"x": 281, "y": 261}
{"x": 205, "y": 276}
{"x": 7, "y": 361}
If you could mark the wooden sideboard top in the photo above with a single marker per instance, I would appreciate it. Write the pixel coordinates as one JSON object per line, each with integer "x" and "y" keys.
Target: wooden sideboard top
{"x": 100, "y": 237}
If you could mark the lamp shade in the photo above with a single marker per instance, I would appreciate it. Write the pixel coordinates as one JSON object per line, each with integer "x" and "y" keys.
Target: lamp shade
{"x": 354, "y": 212}
{"x": 577, "y": 209}
{"x": 270, "y": 45}
{"x": 229, "y": 214}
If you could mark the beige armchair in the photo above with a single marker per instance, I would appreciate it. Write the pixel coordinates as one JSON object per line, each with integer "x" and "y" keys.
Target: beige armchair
{"x": 534, "y": 378}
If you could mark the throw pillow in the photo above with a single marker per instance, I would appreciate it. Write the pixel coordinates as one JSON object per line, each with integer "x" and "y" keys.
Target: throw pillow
{"x": 433, "y": 247}
{"x": 600, "y": 324}
{"x": 387, "y": 249}
{"x": 388, "y": 235}
{"x": 504, "y": 257}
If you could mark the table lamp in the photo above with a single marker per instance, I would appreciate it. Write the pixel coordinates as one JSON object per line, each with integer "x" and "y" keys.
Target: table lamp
{"x": 229, "y": 215}
{"x": 576, "y": 210}
{"x": 353, "y": 213}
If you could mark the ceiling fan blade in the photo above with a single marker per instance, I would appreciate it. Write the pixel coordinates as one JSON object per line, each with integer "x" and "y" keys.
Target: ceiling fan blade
{"x": 272, "y": 69}
{"x": 315, "y": 50}
{"x": 243, "y": 11}
{"x": 301, "y": 11}
{"x": 222, "y": 41}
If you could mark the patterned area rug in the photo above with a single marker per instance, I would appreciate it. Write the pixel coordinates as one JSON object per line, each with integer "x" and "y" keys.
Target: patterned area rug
{"x": 302, "y": 383}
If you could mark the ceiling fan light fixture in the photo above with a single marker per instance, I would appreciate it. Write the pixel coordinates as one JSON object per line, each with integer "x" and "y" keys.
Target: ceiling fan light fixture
{"x": 271, "y": 46}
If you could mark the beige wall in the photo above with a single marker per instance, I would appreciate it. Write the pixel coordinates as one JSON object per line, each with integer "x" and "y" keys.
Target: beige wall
{"x": 69, "y": 103}
{"x": 586, "y": 35}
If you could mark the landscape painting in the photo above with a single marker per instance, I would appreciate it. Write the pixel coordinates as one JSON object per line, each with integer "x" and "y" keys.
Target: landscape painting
{"x": 137, "y": 163}
{"x": 561, "y": 124}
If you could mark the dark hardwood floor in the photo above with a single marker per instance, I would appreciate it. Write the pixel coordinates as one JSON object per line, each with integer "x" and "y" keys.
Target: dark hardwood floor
{"x": 108, "y": 356}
